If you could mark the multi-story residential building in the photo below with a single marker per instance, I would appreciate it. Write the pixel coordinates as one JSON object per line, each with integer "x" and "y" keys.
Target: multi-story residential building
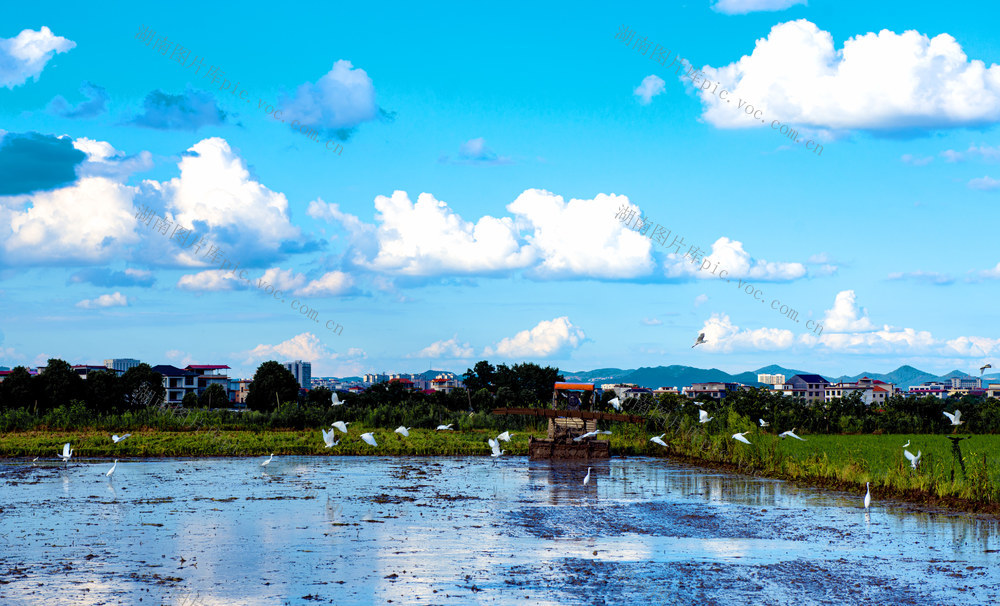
{"x": 662, "y": 390}
{"x": 717, "y": 389}
{"x": 812, "y": 388}
{"x": 446, "y": 382}
{"x": 208, "y": 374}
{"x": 930, "y": 388}
{"x": 872, "y": 391}
{"x": 767, "y": 379}
{"x": 376, "y": 378}
{"x": 966, "y": 382}
{"x": 238, "y": 391}
{"x": 177, "y": 382}
{"x": 993, "y": 390}
{"x": 618, "y": 388}
{"x": 121, "y": 364}
{"x": 302, "y": 371}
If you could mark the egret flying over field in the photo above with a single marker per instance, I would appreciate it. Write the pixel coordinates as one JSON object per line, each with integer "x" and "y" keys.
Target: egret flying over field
{"x": 342, "y": 426}
{"x": 790, "y": 434}
{"x": 907, "y": 445}
{"x": 739, "y": 437}
{"x": 117, "y": 438}
{"x": 335, "y": 401}
{"x": 495, "y": 446}
{"x": 445, "y": 427}
{"x": 112, "y": 470}
{"x": 615, "y": 403}
{"x": 764, "y": 423}
{"x": 403, "y": 431}
{"x": 914, "y": 459}
{"x": 868, "y": 495}
{"x": 982, "y": 368}
{"x": 956, "y": 417}
{"x": 703, "y": 416}
{"x": 589, "y": 434}
{"x": 699, "y": 340}
{"x": 504, "y": 437}
{"x": 369, "y": 438}
{"x": 328, "y": 438}
{"x": 66, "y": 453}
{"x": 265, "y": 463}
{"x": 586, "y": 480}
{"x": 658, "y": 439}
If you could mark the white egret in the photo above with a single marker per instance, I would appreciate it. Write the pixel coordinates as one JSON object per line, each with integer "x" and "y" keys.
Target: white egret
{"x": 328, "y": 438}
{"x": 505, "y": 436}
{"x": 658, "y": 439}
{"x": 982, "y": 368}
{"x": 790, "y": 434}
{"x": 116, "y": 438}
{"x": 907, "y": 444}
{"x": 605, "y": 432}
{"x": 699, "y": 340}
{"x": 444, "y": 427}
{"x": 112, "y": 470}
{"x": 615, "y": 403}
{"x": 66, "y": 453}
{"x": 495, "y": 446}
{"x": 403, "y": 431}
{"x": 956, "y": 417}
{"x": 703, "y": 416}
{"x": 342, "y": 426}
{"x": 265, "y": 463}
{"x": 368, "y": 437}
{"x": 586, "y": 480}
{"x": 739, "y": 437}
{"x": 335, "y": 400}
{"x": 764, "y": 423}
{"x": 868, "y": 495}
{"x": 914, "y": 459}
{"x": 589, "y": 434}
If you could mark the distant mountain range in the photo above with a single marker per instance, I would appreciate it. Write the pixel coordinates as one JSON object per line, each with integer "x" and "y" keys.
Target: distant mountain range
{"x": 679, "y": 376}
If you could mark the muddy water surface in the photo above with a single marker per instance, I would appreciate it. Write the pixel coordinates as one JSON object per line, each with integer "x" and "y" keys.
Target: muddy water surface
{"x": 354, "y": 530}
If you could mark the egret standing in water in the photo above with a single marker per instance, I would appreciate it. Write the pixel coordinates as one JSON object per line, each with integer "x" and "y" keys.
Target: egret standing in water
{"x": 586, "y": 480}
{"x": 868, "y": 495}
{"x": 369, "y": 438}
{"x": 265, "y": 463}
{"x": 66, "y": 453}
{"x": 112, "y": 470}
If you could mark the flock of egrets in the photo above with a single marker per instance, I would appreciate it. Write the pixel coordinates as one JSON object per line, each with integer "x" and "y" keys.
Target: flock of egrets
{"x": 329, "y": 438}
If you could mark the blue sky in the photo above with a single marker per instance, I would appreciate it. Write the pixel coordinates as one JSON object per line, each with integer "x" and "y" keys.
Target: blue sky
{"x": 485, "y": 153}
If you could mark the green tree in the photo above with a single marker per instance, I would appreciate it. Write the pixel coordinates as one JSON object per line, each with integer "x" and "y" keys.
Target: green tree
{"x": 17, "y": 390}
{"x": 214, "y": 396}
{"x": 104, "y": 392}
{"x": 321, "y": 396}
{"x": 480, "y": 376}
{"x": 59, "y": 384}
{"x": 271, "y": 382}
{"x": 142, "y": 386}
{"x": 190, "y": 400}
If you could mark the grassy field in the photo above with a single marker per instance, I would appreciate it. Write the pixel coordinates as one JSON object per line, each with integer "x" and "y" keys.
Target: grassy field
{"x": 842, "y": 461}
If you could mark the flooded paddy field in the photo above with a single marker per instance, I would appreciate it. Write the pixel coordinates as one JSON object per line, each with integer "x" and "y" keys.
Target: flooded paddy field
{"x": 437, "y": 530}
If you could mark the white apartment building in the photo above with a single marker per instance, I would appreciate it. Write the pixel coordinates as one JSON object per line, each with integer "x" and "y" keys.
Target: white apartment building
{"x": 767, "y": 379}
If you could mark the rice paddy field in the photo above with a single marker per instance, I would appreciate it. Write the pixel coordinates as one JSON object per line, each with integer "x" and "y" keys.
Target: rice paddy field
{"x": 842, "y": 461}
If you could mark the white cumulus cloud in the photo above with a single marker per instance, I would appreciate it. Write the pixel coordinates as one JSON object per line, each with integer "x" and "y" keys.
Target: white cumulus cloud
{"x": 342, "y": 99}
{"x": 25, "y": 55}
{"x": 650, "y": 86}
{"x": 211, "y": 280}
{"x": 730, "y": 256}
{"x": 547, "y": 338}
{"x": 722, "y": 335}
{"x": 846, "y": 316}
{"x": 879, "y": 82}
{"x": 450, "y": 349}
{"x": 116, "y": 299}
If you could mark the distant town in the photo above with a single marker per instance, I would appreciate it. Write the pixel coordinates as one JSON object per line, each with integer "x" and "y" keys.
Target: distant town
{"x": 197, "y": 378}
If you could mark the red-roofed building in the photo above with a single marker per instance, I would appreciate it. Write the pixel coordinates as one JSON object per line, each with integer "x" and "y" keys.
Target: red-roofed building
{"x": 872, "y": 391}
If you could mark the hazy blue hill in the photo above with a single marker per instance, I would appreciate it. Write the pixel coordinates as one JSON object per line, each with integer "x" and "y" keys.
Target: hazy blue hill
{"x": 601, "y": 375}
{"x": 903, "y": 377}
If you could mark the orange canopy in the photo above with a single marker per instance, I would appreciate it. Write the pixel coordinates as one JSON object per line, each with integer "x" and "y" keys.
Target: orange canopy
{"x": 580, "y": 386}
